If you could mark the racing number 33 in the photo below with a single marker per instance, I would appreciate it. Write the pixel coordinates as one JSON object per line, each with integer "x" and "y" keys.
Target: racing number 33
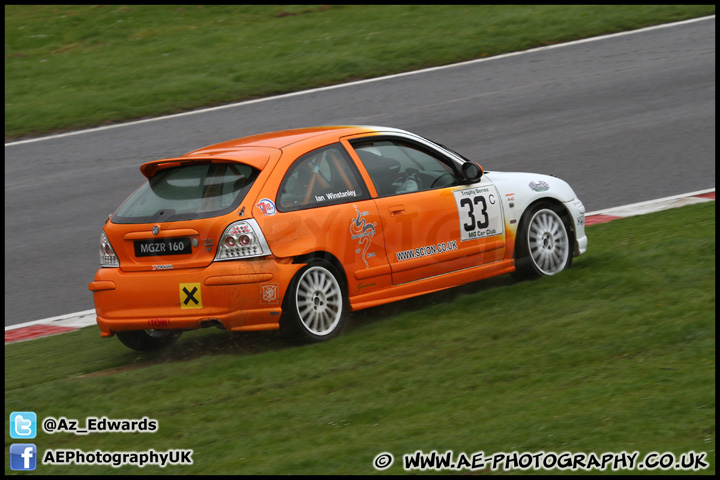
{"x": 479, "y": 212}
{"x": 466, "y": 202}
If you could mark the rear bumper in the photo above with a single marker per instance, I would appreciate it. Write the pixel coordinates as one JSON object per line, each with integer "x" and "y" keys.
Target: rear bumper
{"x": 242, "y": 295}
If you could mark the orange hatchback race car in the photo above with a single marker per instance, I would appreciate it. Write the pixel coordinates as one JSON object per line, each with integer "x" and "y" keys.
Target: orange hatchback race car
{"x": 294, "y": 229}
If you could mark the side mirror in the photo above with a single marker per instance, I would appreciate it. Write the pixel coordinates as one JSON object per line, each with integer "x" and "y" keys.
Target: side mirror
{"x": 471, "y": 172}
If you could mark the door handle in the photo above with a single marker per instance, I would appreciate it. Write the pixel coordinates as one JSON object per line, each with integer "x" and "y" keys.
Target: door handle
{"x": 396, "y": 210}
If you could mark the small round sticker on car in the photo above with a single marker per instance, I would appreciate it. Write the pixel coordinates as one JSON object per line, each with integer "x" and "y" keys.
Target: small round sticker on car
{"x": 267, "y": 206}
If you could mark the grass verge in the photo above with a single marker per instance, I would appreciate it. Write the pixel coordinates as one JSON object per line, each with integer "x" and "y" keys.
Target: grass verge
{"x": 68, "y": 67}
{"x": 616, "y": 354}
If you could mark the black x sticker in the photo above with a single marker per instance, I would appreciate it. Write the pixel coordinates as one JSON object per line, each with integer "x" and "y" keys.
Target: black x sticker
{"x": 190, "y": 296}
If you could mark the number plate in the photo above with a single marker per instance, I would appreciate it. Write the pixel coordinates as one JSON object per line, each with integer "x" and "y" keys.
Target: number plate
{"x": 162, "y": 247}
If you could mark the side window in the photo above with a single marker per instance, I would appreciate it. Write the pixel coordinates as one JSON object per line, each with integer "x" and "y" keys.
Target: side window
{"x": 398, "y": 167}
{"x": 326, "y": 176}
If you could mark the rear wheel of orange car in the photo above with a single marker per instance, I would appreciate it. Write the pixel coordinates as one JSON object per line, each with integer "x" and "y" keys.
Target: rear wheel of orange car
{"x": 314, "y": 307}
{"x": 544, "y": 242}
{"x": 146, "y": 340}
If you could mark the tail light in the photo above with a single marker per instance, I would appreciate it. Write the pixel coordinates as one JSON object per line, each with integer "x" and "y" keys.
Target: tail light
{"x": 242, "y": 239}
{"x": 107, "y": 254}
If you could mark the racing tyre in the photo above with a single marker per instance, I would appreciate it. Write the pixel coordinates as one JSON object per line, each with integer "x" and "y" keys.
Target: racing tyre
{"x": 544, "y": 243}
{"x": 147, "y": 340}
{"x": 314, "y": 305}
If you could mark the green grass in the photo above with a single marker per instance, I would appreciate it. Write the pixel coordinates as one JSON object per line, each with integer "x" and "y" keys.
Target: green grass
{"x": 616, "y": 354}
{"x": 68, "y": 67}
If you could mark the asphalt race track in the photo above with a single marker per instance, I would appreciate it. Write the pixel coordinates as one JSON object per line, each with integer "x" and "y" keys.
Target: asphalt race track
{"x": 623, "y": 119}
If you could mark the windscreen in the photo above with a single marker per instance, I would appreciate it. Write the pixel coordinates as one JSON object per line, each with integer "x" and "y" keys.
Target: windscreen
{"x": 188, "y": 192}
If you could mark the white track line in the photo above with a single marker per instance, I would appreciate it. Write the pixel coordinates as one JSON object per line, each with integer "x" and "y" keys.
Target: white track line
{"x": 656, "y": 205}
{"x": 76, "y": 320}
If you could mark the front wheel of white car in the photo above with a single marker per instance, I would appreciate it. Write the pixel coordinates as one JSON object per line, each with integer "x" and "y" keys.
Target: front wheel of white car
{"x": 544, "y": 242}
{"x": 314, "y": 307}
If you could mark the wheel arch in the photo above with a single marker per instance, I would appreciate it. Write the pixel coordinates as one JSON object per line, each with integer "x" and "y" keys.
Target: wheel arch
{"x": 328, "y": 257}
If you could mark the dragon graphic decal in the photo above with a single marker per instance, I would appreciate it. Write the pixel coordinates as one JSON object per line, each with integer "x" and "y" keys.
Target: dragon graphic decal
{"x": 363, "y": 232}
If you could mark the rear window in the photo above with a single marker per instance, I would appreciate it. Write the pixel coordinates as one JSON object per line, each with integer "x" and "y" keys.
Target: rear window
{"x": 187, "y": 193}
